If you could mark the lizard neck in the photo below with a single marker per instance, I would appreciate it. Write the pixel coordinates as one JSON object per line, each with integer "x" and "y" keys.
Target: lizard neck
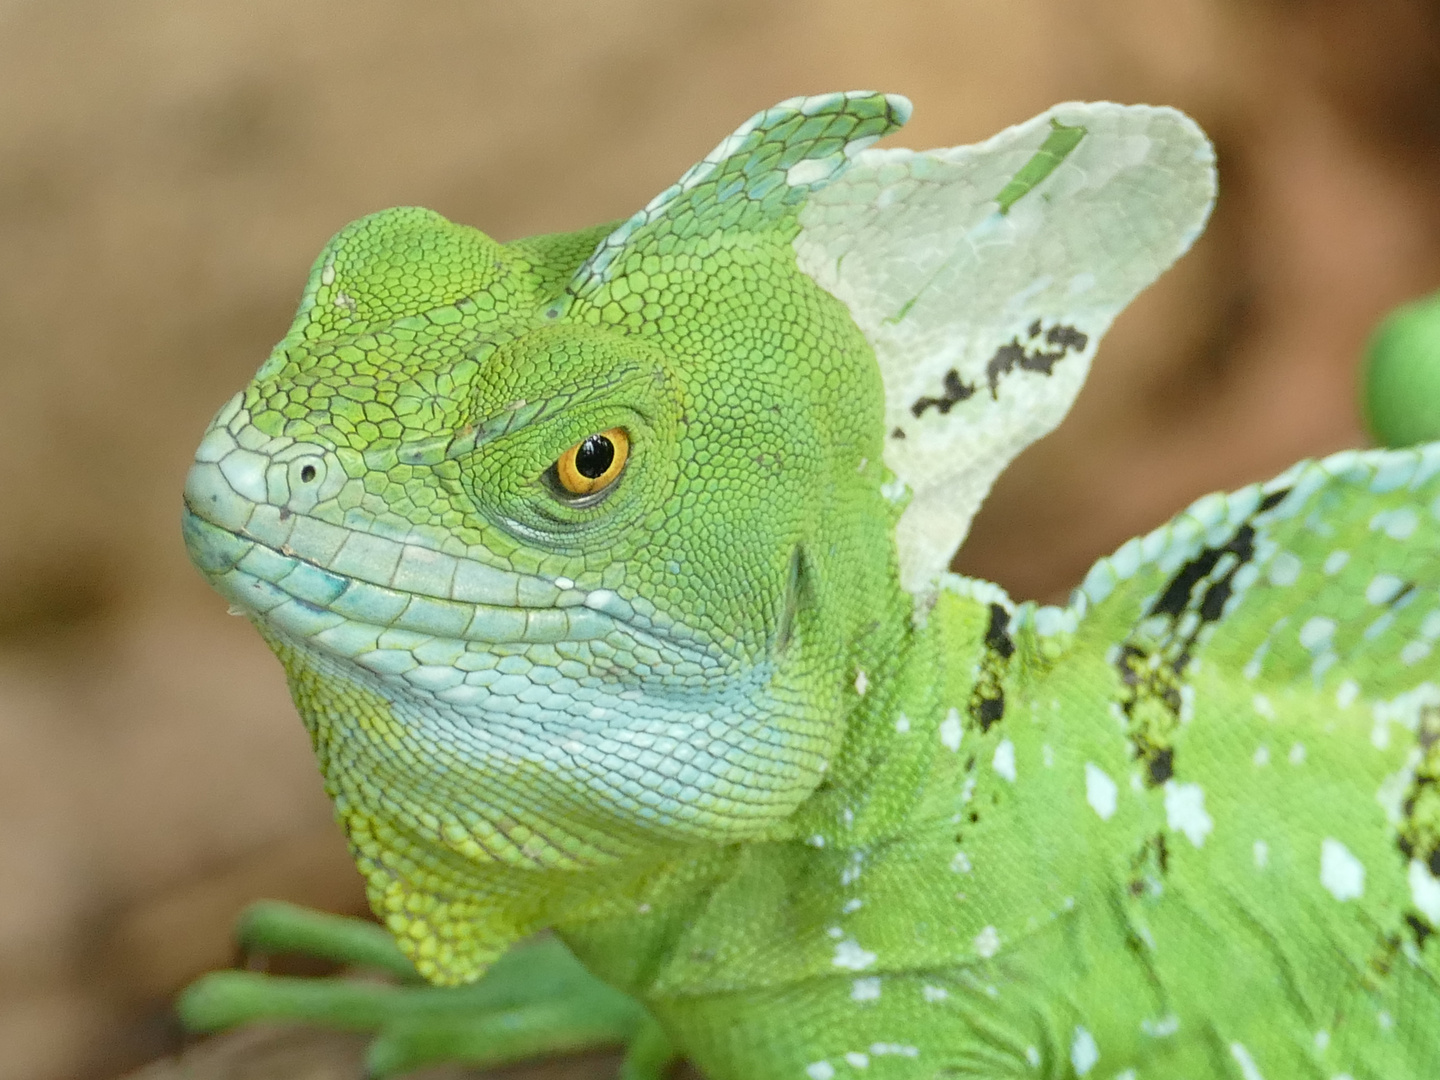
{"x": 926, "y": 756}
{"x": 929, "y": 702}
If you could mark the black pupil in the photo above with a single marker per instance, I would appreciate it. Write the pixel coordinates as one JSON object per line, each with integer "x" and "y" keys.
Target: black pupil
{"x": 594, "y": 456}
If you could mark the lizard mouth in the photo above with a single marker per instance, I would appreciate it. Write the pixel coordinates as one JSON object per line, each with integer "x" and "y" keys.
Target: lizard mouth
{"x": 384, "y": 602}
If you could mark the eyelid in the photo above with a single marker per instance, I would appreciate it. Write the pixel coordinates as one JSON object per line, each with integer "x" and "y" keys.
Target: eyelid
{"x": 522, "y": 413}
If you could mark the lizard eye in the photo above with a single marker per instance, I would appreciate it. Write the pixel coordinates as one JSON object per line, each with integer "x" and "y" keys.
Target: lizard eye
{"x": 594, "y": 463}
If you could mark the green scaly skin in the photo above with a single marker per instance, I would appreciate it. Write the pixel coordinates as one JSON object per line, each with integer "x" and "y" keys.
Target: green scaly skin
{"x": 730, "y": 730}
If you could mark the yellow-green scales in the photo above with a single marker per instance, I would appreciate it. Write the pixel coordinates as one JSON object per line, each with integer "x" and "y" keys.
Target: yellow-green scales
{"x": 609, "y": 574}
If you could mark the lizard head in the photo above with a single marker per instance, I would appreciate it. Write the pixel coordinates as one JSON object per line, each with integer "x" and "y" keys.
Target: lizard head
{"x": 570, "y": 545}
{"x": 581, "y": 546}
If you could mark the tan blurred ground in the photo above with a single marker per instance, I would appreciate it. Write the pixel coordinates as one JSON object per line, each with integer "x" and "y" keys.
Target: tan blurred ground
{"x": 169, "y": 169}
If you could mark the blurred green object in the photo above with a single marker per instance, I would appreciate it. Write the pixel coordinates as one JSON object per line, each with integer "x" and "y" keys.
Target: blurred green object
{"x": 1402, "y": 376}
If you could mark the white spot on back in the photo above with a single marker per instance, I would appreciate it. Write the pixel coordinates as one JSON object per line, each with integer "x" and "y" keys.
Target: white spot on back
{"x": 1398, "y": 524}
{"x": 1004, "y": 760}
{"x": 852, "y": 905}
{"x": 987, "y": 942}
{"x": 902, "y": 723}
{"x": 1262, "y": 756}
{"x": 1297, "y": 754}
{"x": 862, "y": 683}
{"x": 961, "y": 863}
{"x": 1248, "y": 1069}
{"x": 1185, "y": 811}
{"x": 1261, "y": 705}
{"x": 880, "y": 1049}
{"x": 1322, "y": 1040}
{"x": 857, "y": 1059}
{"x": 1383, "y": 588}
{"x": 1100, "y": 791}
{"x": 820, "y": 1070}
{"x": 950, "y": 730}
{"x": 1084, "y": 1053}
{"x": 1162, "y": 1028}
{"x": 1335, "y": 562}
{"x": 1284, "y": 569}
{"x": 1262, "y": 854}
{"x": 1425, "y": 891}
{"x": 1346, "y": 693}
{"x": 933, "y": 994}
{"x": 867, "y": 989}
{"x": 851, "y": 957}
{"x": 1342, "y": 874}
{"x": 1414, "y": 652}
{"x": 1317, "y": 632}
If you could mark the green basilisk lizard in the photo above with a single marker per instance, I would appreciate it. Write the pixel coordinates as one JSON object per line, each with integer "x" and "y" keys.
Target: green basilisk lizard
{"x": 609, "y": 572}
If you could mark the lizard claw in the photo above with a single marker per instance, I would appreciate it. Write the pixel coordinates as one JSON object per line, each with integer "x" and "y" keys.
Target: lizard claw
{"x": 536, "y": 1000}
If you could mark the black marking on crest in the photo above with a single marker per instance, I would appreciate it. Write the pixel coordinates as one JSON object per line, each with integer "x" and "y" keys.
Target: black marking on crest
{"x": 898, "y": 433}
{"x": 955, "y": 391}
{"x": 1061, "y": 338}
{"x": 987, "y": 699}
{"x": 1040, "y": 356}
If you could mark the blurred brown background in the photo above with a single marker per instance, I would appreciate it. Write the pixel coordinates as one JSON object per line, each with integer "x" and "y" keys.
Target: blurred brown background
{"x": 168, "y": 170}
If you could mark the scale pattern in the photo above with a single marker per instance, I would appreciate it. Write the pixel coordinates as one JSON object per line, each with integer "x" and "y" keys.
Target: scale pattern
{"x": 730, "y": 729}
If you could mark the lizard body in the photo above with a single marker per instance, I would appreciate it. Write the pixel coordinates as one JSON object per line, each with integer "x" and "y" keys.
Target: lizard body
{"x": 608, "y": 572}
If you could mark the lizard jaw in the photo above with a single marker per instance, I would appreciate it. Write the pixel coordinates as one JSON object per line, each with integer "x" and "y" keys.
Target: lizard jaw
{"x": 634, "y": 719}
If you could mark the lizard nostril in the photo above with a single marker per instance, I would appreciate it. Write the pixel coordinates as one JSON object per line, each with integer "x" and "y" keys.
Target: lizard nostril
{"x": 307, "y": 474}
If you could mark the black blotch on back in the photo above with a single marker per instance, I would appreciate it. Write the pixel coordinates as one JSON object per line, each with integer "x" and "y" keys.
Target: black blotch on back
{"x": 990, "y": 710}
{"x": 1148, "y": 866}
{"x": 995, "y": 634}
{"x": 1417, "y": 836}
{"x": 1420, "y": 930}
{"x": 1274, "y": 499}
{"x": 1151, "y": 663}
{"x": 1176, "y": 597}
{"x": 987, "y": 699}
{"x": 1160, "y": 767}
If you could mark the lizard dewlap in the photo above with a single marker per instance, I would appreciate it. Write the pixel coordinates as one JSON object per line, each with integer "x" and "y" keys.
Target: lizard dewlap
{"x": 609, "y": 572}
